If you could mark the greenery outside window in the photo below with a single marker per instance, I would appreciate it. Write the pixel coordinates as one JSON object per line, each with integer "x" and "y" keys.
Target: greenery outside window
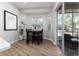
{"x": 37, "y": 22}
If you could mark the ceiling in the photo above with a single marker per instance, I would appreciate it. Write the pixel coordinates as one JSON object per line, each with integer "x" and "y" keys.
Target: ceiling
{"x": 33, "y": 8}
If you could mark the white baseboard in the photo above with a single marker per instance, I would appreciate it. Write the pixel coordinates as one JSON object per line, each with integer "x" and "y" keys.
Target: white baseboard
{"x": 50, "y": 40}
{"x": 13, "y": 41}
{"x": 44, "y": 38}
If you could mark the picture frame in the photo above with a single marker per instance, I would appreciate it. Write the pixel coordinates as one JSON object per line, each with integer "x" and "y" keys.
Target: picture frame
{"x": 10, "y": 21}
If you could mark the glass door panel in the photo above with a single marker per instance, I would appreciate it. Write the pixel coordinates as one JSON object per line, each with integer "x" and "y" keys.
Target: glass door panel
{"x": 75, "y": 24}
{"x": 71, "y": 28}
{"x": 76, "y": 31}
{"x": 68, "y": 23}
{"x": 68, "y": 29}
{"x": 60, "y": 28}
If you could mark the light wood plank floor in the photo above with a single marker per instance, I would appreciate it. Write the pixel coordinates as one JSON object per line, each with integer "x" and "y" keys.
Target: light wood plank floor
{"x": 20, "y": 48}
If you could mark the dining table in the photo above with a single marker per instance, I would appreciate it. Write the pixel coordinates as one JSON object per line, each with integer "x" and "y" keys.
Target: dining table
{"x": 36, "y": 36}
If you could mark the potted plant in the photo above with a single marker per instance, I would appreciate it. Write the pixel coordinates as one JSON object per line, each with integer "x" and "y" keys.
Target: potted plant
{"x": 22, "y": 25}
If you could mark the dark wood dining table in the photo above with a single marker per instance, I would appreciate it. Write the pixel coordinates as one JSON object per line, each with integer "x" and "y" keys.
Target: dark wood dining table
{"x": 36, "y": 36}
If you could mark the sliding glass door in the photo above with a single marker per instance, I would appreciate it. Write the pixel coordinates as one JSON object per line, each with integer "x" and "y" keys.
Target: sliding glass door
{"x": 68, "y": 28}
{"x": 60, "y": 39}
{"x": 71, "y": 28}
{"x": 71, "y": 34}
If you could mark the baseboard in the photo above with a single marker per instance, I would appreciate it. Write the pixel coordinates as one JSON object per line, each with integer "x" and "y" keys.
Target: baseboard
{"x": 44, "y": 38}
{"x": 50, "y": 40}
{"x": 13, "y": 41}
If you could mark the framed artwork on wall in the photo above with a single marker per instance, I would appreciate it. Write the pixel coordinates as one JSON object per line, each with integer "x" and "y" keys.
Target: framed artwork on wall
{"x": 10, "y": 21}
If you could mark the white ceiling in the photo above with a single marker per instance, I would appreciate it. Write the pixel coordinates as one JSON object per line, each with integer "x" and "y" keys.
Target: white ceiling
{"x": 34, "y": 7}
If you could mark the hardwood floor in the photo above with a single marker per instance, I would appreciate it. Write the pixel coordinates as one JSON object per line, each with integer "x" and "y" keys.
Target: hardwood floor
{"x": 20, "y": 48}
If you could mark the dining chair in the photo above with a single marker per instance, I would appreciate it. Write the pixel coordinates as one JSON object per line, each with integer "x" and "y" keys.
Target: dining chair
{"x": 29, "y": 36}
{"x": 40, "y": 36}
{"x": 35, "y": 36}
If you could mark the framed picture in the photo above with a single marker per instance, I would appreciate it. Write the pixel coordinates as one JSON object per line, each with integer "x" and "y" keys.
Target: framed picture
{"x": 10, "y": 21}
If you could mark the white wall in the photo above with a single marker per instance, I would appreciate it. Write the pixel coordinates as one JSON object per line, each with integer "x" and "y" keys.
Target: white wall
{"x": 9, "y": 36}
{"x": 52, "y": 35}
{"x": 53, "y": 27}
{"x": 49, "y": 34}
